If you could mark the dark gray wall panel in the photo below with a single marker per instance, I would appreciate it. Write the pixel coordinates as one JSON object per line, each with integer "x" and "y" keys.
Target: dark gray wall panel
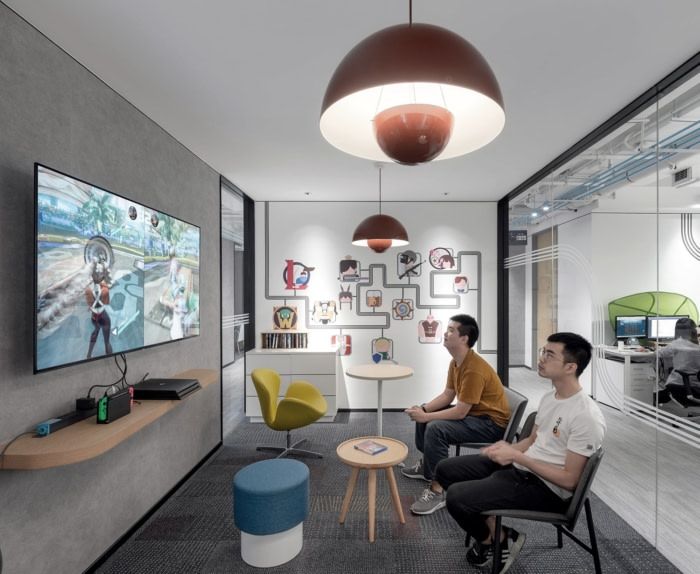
{"x": 52, "y": 110}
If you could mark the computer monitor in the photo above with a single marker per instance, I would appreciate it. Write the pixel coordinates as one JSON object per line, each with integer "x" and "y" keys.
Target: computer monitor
{"x": 627, "y": 327}
{"x": 662, "y": 328}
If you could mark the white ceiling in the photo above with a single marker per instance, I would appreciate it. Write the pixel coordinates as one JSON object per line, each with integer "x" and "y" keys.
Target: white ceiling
{"x": 241, "y": 83}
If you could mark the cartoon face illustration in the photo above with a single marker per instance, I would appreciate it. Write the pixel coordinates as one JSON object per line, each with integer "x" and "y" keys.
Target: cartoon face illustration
{"x": 374, "y": 298}
{"x": 461, "y": 284}
{"x": 442, "y": 258}
{"x": 132, "y": 212}
{"x": 345, "y": 296}
{"x": 324, "y": 312}
{"x": 383, "y": 347}
{"x": 349, "y": 270}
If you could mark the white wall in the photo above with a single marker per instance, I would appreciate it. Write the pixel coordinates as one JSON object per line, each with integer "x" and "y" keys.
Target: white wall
{"x": 319, "y": 233}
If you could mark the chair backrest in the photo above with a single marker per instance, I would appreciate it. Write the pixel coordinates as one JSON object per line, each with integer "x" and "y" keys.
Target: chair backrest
{"x": 267, "y": 385}
{"x": 528, "y": 425}
{"x": 583, "y": 488}
{"x": 517, "y": 403}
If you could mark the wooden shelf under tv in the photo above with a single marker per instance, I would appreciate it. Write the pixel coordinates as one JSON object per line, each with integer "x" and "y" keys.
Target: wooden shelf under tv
{"x": 86, "y": 439}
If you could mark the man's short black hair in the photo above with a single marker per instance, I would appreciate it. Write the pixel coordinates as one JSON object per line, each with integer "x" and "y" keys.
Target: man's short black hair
{"x": 467, "y": 326}
{"x": 576, "y": 349}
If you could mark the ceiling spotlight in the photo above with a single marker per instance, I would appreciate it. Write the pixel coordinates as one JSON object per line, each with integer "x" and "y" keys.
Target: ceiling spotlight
{"x": 380, "y": 231}
{"x": 534, "y": 214}
{"x": 412, "y": 93}
{"x": 545, "y": 208}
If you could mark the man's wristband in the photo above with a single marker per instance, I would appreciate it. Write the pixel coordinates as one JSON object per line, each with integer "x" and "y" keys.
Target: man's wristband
{"x": 423, "y": 407}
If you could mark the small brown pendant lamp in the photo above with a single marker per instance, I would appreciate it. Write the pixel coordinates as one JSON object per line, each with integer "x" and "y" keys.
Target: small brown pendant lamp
{"x": 380, "y": 231}
{"x": 412, "y": 93}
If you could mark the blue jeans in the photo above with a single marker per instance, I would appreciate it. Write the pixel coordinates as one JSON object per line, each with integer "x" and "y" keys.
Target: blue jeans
{"x": 434, "y": 438}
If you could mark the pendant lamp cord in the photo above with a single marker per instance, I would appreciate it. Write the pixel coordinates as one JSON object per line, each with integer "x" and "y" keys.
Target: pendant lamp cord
{"x": 380, "y": 190}
{"x": 410, "y": 12}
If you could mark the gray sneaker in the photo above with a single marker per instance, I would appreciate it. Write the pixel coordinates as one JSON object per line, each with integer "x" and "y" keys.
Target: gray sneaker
{"x": 428, "y": 502}
{"x": 415, "y": 471}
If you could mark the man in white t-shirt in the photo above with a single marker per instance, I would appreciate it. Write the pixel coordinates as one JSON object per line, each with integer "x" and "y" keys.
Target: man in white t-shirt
{"x": 538, "y": 473}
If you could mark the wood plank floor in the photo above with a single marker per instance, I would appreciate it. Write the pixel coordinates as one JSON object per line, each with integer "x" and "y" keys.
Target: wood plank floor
{"x": 649, "y": 478}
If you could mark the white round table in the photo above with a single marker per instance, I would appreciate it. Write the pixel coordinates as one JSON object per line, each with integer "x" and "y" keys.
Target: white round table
{"x": 379, "y": 372}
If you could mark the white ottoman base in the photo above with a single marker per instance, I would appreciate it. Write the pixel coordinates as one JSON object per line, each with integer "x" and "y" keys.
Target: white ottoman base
{"x": 266, "y": 550}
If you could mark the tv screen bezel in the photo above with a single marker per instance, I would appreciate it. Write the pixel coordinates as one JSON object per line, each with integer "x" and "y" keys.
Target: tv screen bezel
{"x": 38, "y": 165}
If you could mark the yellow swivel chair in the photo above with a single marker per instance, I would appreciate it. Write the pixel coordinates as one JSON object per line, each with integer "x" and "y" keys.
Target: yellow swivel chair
{"x": 302, "y": 405}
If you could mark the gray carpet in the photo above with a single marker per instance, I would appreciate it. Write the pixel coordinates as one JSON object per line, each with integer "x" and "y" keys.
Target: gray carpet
{"x": 193, "y": 532}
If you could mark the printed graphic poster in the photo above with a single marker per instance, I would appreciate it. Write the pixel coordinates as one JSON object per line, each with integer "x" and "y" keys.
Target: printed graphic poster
{"x": 374, "y": 298}
{"x": 408, "y": 264}
{"x": 442, "y": 258}
{"x": 284, "y": 318}
{"x": 342, "y": 344}
{"x": 349, "y": 270}
{"x": 461, "y": 284}
{"x": 430, "y": 330}
{"x": 324, "y": 312}
{"x": 296, "y": 275}
{"x": 402, "y": 309}
{"x": 384, "y": 348}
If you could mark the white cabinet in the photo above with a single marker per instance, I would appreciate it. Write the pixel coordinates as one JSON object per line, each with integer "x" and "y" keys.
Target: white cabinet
{"x": 626, "y": 374}
{"x": 316, "y": 367}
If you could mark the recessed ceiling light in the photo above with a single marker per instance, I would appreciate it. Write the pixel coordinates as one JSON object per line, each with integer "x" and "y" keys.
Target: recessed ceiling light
{"x": 533, "y": 214}
{"x": 545, "y": 208}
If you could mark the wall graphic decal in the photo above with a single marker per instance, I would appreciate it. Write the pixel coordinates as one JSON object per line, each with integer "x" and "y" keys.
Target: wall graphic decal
{"x": 384, "y": 348}
{"x": 324, "y": 312}
{"x": 442, "y": 258}
{"x": 402, "y": 309}
{"x": 461, "y": 284}
{"x": 343, "y": 344}
{"x": 430, "y": 330}
{"x": 374, "y": 298}
{"x": 349, "y": 270}
{"x": 284, "y": 317}
{"x": 408, "y": 264}
{"x": 296, "y": 275}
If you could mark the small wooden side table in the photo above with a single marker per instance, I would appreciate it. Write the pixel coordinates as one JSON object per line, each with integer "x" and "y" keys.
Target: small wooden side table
{"x": 393, "y": 455}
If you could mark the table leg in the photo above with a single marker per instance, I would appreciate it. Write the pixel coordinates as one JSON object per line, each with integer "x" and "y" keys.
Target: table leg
{"x": 348, "y": 493}
{"x": 394, "y": 493}
{"x": 379, "y": 408}
{"x": 372, "y": 496}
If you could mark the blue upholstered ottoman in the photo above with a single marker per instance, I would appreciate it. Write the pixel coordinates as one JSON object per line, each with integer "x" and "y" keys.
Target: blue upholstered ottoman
{"x": 270, "y": 503}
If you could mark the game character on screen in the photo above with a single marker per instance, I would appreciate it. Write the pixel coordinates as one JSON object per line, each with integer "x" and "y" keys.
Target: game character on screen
{"x": 97, "y": 297}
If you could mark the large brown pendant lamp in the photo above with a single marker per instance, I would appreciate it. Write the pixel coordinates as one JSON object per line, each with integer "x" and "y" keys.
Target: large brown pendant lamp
{"x": 380, "y": 231}
{"x": 412, "y": 93}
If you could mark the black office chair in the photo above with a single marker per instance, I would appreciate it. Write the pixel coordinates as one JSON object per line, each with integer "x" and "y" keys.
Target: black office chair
{"x": 517, "y": 403}
{"x": 563, "y": 522}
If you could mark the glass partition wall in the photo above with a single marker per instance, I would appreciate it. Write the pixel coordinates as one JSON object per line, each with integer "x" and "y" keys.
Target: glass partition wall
{"x": 606, "y": 243}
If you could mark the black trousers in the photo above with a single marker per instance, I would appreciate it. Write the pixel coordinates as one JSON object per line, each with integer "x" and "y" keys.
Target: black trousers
{"x": 474, "y": 483}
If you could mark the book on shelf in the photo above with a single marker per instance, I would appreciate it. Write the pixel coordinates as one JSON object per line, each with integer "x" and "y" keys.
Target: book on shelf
{"x": 371, "y": 447}
{"x": 281, "y": 340}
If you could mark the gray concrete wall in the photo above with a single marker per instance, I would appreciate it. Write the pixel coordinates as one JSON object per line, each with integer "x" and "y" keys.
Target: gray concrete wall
{"x": 54, "y": 111}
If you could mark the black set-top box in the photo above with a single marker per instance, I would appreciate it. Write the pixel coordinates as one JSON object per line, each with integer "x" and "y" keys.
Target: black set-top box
{"x": 164, "y": 389}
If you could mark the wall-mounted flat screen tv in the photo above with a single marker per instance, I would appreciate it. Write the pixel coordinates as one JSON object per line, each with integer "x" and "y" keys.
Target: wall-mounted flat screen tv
{"x": 112, "y": 275}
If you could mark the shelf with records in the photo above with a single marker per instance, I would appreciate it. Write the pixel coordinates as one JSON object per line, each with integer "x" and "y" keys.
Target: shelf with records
{"x": 284, "y": 340}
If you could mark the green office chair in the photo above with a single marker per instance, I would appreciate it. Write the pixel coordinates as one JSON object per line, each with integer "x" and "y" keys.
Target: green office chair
{"x": 302, "y": 405}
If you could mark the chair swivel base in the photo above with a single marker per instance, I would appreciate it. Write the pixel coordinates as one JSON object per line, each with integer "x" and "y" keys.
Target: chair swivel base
{"x": 290, "y": 450}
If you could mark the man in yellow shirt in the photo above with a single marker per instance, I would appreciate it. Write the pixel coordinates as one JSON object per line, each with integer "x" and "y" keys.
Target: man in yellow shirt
{"x": 480, "y": 413}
